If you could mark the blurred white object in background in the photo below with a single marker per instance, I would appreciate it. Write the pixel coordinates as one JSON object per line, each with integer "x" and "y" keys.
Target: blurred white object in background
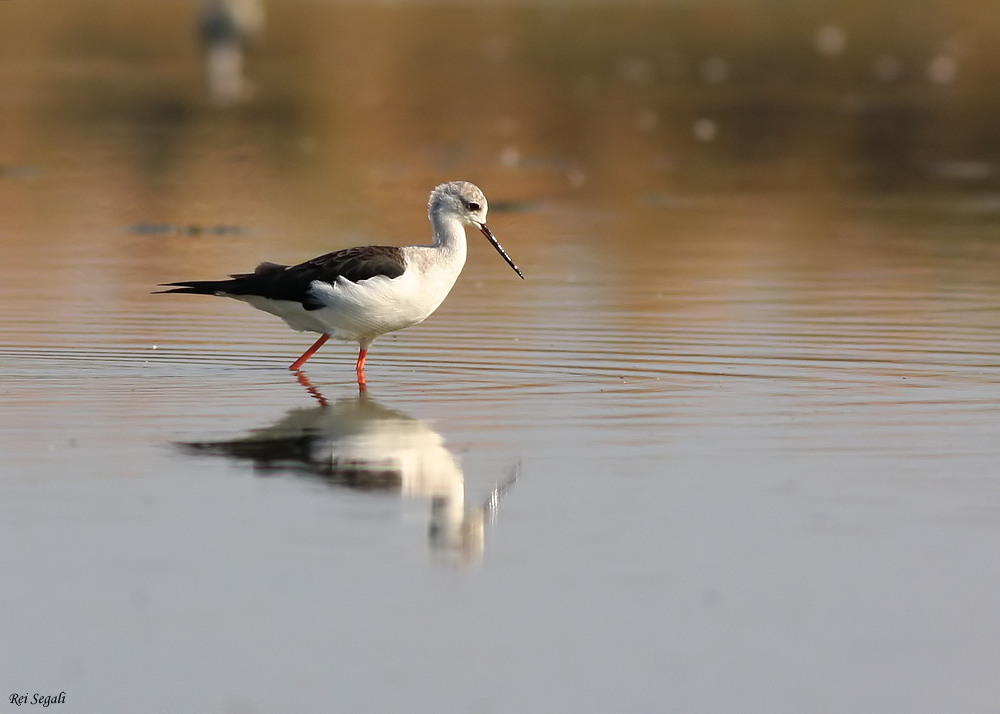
{"x": 227, "y": 27}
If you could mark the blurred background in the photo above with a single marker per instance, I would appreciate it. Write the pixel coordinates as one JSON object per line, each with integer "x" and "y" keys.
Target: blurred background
{"x": 131, "y": 108}
{"x": 316, "y": 125}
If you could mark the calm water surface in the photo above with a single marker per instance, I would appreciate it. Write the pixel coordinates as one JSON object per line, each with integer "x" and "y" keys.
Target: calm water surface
{"x": 730, "y": 447}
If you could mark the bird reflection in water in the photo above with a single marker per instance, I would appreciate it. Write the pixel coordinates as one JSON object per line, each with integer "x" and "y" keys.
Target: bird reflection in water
{"x": 359, "y": 444}
{"x": 227, "y": 28}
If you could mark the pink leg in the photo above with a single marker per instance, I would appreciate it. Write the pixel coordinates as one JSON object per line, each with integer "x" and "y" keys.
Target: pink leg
{"x": 362, "y": 356}
{"x": 309, "y": 352}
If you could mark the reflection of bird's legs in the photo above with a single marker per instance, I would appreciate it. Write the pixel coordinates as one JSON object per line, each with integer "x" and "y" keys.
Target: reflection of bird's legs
{"x": 315, "y": 393}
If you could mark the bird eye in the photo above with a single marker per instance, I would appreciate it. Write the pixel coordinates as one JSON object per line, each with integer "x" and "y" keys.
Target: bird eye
{"x": 473, "y": 206}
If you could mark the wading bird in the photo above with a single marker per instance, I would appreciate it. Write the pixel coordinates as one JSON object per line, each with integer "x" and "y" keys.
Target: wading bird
{"x": 359, "y": 294}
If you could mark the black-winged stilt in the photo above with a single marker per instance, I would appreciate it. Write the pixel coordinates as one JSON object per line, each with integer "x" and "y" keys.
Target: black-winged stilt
{"x": 359, "y": 294}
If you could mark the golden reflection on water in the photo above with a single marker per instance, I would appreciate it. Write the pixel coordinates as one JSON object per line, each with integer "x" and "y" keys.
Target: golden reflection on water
{"x": 802, "y": 179}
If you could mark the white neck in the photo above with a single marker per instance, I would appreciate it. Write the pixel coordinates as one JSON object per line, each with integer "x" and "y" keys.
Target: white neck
{"x": 449, "y": 237}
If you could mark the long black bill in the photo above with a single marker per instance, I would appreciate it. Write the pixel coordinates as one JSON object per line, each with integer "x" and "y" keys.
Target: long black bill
{"x": 496, "y": 244}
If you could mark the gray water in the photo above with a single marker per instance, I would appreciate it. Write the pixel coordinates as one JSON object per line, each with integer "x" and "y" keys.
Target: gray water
{"x": 733, "y": 444}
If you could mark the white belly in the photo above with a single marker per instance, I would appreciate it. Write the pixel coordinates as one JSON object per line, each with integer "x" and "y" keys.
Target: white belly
{"x": 361, "y": 312}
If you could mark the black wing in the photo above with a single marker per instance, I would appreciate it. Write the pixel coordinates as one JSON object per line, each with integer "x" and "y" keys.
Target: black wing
{"x": 284, "y": 282}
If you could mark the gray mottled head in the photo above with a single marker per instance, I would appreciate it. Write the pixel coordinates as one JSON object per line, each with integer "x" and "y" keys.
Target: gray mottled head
{"x": 461, "y": 199}
{"x": 464, "y": 201}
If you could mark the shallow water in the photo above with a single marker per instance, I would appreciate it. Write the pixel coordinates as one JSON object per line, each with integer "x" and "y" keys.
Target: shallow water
{"x": 732, "y": 446}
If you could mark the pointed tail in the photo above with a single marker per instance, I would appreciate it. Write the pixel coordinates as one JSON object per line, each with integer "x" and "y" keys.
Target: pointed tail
{"x": 197, "y": 287}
